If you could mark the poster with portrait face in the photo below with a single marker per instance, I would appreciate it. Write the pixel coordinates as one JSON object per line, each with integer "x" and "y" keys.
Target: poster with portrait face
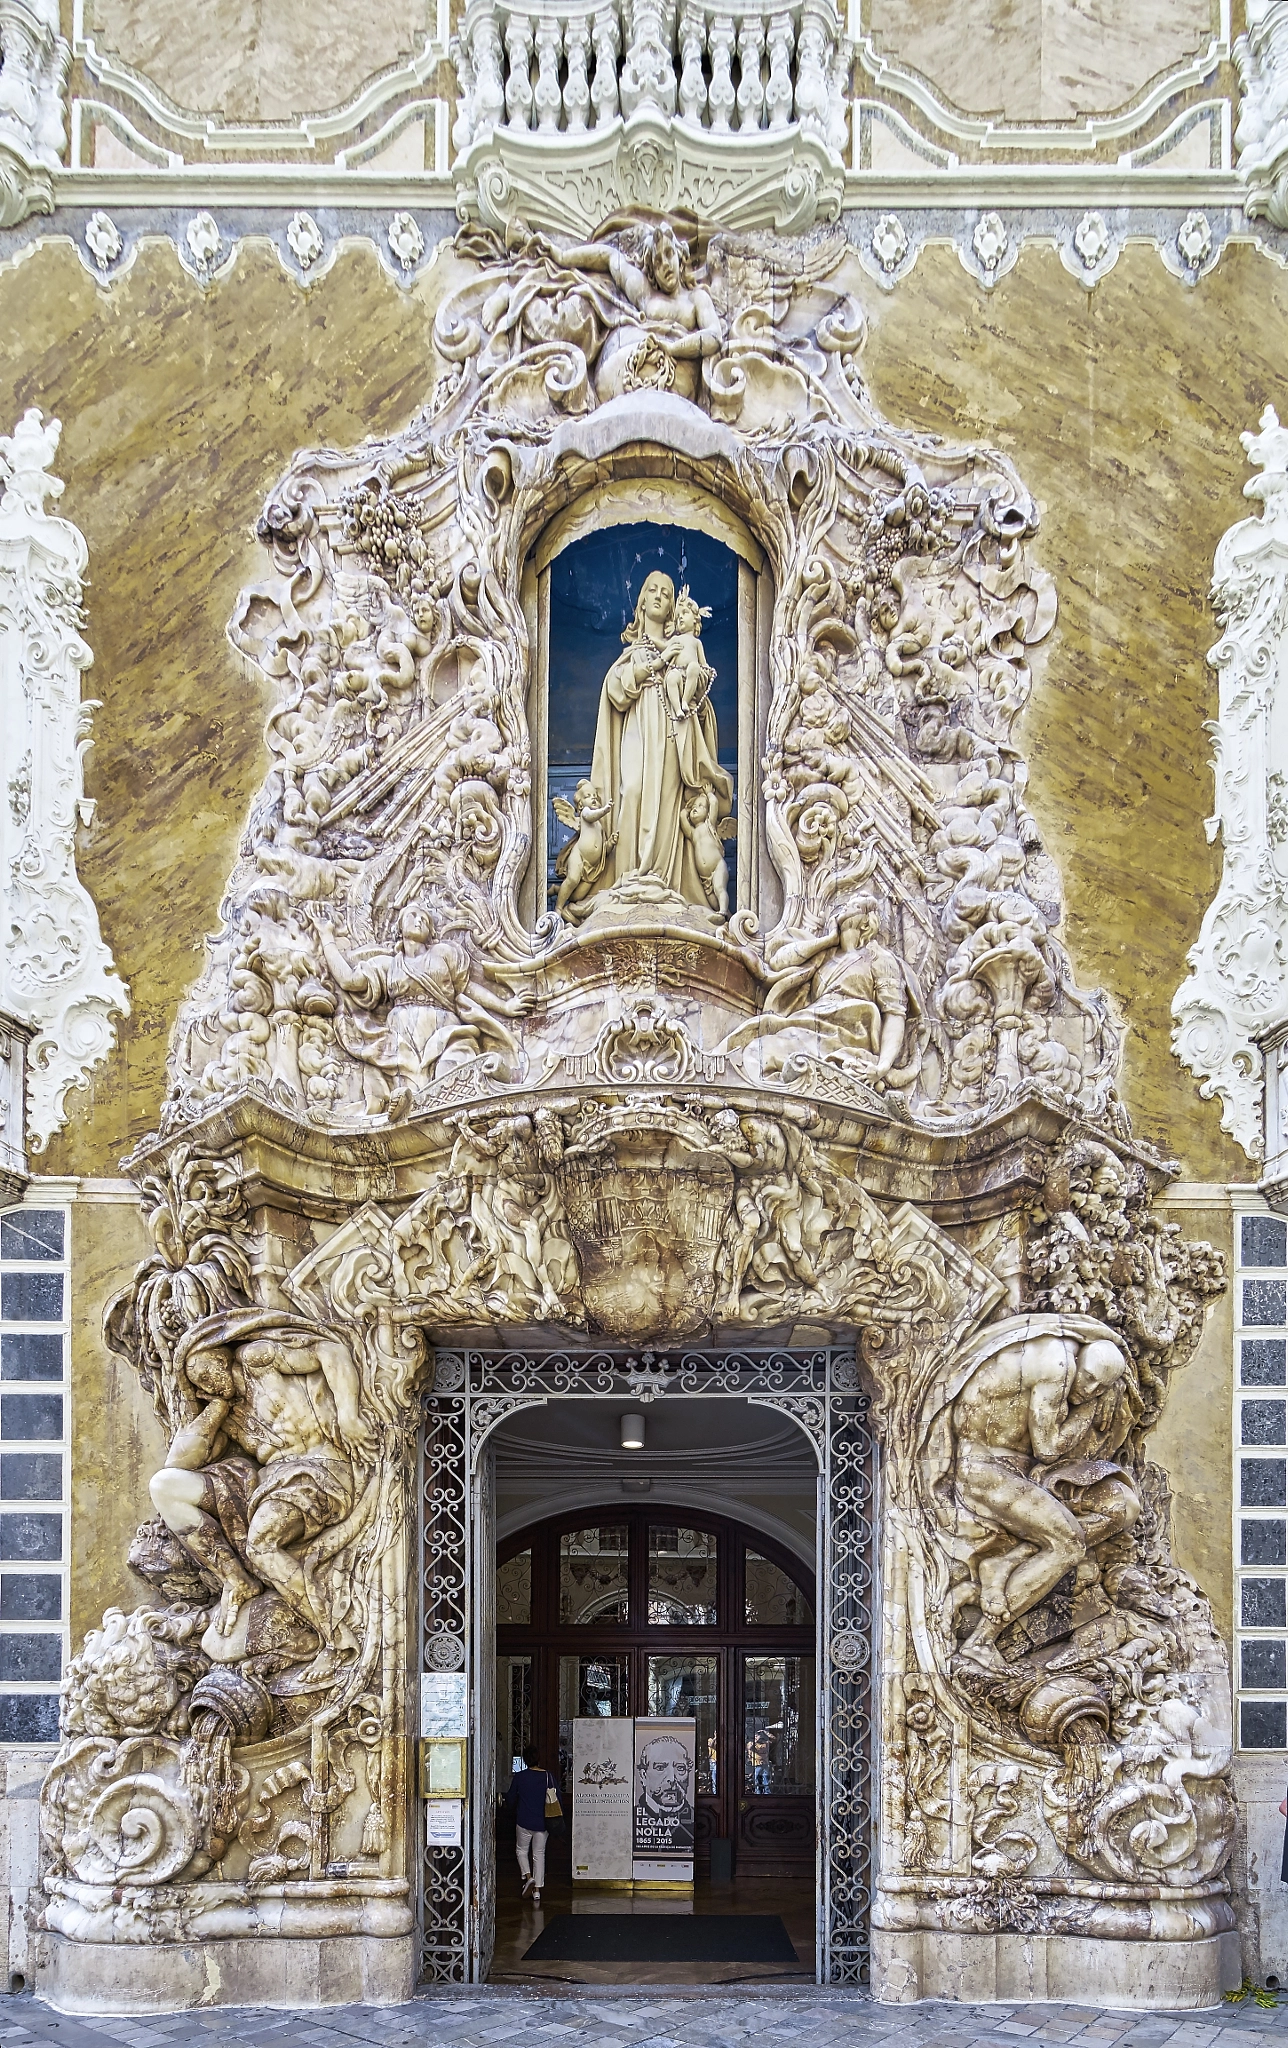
{"x": 664, "y": 1781}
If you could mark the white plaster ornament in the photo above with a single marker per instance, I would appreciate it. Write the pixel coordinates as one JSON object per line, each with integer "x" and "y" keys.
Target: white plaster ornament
{"x": 103, "y": 239}
{"x": 203, "y": 240}
{"x": 889, "y": 242}
{"x": 1236, "y": 991}
{"x": 406, "y": 240}
{"x": 990, "y": 241}
{"x": 1194, "y": 240}
{"x": 1091, "y": 239}
{"x": 56, "y": 973}
{"x": 304, "y": 239}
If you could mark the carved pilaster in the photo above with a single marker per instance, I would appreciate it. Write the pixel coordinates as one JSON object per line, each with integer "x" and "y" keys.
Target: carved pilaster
{"x": 1237, "y": 991}
{"x": 56, "y": 973}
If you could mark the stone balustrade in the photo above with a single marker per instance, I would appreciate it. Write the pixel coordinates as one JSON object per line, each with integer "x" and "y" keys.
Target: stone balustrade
{"x": 726, "y": 70}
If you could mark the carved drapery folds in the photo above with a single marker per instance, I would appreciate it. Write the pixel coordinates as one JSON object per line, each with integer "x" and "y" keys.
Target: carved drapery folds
{"x": 871, "y": 1101}
{"x": 57, "y": 975}
{"x": 1234, "y": 996}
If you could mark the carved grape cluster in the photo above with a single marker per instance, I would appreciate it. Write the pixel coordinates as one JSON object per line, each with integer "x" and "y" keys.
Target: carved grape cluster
{"x": 384, "y": 529}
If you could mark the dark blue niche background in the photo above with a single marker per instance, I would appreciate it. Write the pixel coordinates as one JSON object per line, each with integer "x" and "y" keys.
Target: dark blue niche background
{"x": 594, "y": 586}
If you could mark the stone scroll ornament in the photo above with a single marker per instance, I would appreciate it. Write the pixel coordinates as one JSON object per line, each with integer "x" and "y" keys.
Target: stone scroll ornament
{"x": 416, "y": 1091}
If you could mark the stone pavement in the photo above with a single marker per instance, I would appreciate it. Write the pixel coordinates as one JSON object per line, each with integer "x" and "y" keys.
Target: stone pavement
{"x": 701, "y": 2018}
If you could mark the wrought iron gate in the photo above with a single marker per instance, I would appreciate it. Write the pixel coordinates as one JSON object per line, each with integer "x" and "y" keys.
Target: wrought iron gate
{"x": 819, "y": 1390}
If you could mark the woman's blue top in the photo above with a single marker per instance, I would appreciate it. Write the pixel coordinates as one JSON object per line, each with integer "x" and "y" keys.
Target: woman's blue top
{"x": 526, "y": 1797}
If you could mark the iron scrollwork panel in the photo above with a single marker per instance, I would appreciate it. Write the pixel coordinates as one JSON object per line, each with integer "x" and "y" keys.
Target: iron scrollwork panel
{"x": 445, "y": 1629}
{"x": 816, "y": 1389}
{"x": 846, "y": 1643}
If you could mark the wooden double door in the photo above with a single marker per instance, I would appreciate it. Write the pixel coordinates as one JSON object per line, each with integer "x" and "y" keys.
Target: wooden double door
{"x": 663, "y": 1611}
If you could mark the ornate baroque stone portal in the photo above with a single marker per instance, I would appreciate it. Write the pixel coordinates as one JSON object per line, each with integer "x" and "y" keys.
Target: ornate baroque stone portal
{"x": 869, "y": 1104}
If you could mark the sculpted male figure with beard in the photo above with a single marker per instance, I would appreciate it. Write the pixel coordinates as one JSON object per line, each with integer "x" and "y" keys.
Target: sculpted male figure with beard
{"x": 261, "y": 1483}
{"x": 1022, "y": 1465}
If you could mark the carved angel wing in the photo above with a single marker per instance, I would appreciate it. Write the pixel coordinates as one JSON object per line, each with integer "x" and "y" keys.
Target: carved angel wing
{"x": 727, "y": 828}
{"x": 565, "y": 813}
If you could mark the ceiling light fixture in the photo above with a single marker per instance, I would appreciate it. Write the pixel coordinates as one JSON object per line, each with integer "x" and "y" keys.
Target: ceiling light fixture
{"x": 633, "y": 1431}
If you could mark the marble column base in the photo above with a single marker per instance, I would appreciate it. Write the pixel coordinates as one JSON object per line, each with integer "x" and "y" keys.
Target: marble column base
{"x": 287, "y": 1973}
{"x": 909, "y": 1964}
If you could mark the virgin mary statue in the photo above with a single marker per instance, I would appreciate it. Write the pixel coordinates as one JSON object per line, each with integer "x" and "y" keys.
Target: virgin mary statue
{"x": 656, "y": 754}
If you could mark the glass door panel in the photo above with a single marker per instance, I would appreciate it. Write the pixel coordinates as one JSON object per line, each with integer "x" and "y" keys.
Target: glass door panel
{"x": 514, "y": 1591}
{"x": 778, "y": 1725}
{"x": 772, "y": 1599}
{"x": 690, "y": 1685}
{"x": 589, "y": 1686}
{"x": 776, "y": 1810}
{"x": 594, "y": 1576}
{"x": 682, "y": 1577}
{"x": 513, "y": 1715}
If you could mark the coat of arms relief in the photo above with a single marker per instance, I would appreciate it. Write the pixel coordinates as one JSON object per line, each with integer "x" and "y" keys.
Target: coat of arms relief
{"x": 765, "y": 1033}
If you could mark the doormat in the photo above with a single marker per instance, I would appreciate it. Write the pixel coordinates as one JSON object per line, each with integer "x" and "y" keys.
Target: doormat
{"x": 663, "y": 1938}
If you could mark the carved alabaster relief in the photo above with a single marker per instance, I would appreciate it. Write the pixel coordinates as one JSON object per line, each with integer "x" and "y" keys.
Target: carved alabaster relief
{"x": 243, "y": 1734}
{"x": 648, "y": 1116}
{"x": 1057, "y": 1696}
{"x": 1235, "y": 993}
{"x": 372, "y": 943}
{"x": 56, "y": 973}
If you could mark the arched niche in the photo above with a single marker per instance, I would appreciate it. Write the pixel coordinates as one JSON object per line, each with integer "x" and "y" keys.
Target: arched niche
{"x": 637, "y": 496}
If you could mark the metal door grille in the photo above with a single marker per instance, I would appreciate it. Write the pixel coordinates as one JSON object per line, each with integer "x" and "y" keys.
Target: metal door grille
{"x": 473, "y": 1392}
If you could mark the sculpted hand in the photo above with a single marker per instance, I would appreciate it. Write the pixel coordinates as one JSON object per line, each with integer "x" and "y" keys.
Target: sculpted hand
{"x": 359, "y": 1432}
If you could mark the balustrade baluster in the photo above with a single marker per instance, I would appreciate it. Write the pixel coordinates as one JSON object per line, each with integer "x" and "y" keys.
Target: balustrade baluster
{"x": 751, "y": 91}
{"x": 648, "y": 72}
{"x": 546, "y": 98}
{"x": 814, "y": 47}
{"x": 463, "y": 125}
{"x": 721, "y": 97}
{"x": 693, "y": 85}
{"x": 839, "y": 99}
{"x": 518, "y": 85}
{"x": 778, "y": 90}
{"x": 607, "y": 39}
{"x": 488, "y": 58}
{"x": 576, "y": 93}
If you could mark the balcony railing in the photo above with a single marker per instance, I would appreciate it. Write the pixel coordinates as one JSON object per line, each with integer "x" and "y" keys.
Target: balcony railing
{"x": 726, "y": 70}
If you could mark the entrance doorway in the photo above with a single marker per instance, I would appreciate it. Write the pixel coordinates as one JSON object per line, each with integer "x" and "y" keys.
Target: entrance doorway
{"x": 754, "y": 1497}
{"x": 664, "y": 1610}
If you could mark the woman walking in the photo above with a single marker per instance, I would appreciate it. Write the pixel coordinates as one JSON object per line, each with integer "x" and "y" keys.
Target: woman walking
{"x": 533, "y": 1798}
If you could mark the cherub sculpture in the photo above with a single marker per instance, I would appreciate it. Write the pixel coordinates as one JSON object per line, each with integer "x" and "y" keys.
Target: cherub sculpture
{"x": 581, "y": 861}
{"x": 706, "y": 832}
